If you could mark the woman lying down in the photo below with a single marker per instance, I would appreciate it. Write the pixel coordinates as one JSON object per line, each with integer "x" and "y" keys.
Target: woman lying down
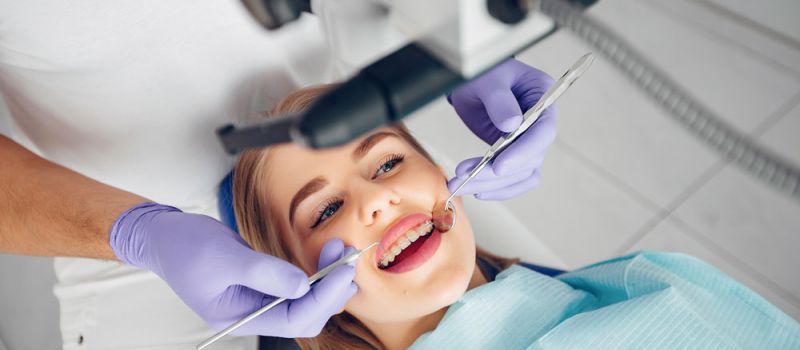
{"x": 422, "y": 289}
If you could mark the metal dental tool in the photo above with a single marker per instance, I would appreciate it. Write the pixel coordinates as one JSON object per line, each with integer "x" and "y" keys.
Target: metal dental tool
{"x": 311, "y": 280}
{"x": 444, "y": 217}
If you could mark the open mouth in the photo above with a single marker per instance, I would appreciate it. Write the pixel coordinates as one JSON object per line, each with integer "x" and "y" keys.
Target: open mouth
{"x": 408, "y": 244}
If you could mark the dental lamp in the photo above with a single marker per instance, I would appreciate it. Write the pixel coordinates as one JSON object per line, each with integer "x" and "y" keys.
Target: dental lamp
{"x": 409, "y": 52}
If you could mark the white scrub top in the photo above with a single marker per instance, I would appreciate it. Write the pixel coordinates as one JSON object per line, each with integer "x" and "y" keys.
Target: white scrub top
{"x": 130, "y": 93}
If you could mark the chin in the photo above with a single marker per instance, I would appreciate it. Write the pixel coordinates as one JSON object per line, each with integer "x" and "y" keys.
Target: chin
{"x": 449, "y": 297}
{"x": 450, "y": 289}
{"x": 457, "y": 271}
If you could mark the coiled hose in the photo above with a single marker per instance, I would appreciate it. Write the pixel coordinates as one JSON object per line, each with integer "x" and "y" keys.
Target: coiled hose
{"x": 702, "y": 122}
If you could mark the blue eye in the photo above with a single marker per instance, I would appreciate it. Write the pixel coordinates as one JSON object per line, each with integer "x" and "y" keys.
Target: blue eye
{"x": 327, "y": 211}
{"x": 388, "y": 165}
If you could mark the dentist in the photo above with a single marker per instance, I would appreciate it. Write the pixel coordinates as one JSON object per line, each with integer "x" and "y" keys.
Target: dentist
{"x": 111, "y": 163}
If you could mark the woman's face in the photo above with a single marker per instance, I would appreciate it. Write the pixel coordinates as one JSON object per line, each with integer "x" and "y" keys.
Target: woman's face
{"x": 377, "y": 188}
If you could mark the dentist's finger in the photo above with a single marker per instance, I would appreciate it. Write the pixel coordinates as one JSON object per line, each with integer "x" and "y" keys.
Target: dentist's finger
{"x": 332, "y": 250}
{"x": 485, "y": 185}
{"x": 502, "y": 107}
{"x": 325, "y": 299}
{"x": 463, "y": 169}
{"x": 306, "y": 316}
{"x": 533, "y": 142}
{"x": 267, "y": 274}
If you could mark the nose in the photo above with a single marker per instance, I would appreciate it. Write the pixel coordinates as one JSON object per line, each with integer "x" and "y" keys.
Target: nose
{"x": 375, "y": 201}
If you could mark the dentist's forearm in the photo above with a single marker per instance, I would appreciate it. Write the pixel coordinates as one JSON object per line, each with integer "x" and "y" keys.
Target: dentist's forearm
{"x": 49, "y": 210}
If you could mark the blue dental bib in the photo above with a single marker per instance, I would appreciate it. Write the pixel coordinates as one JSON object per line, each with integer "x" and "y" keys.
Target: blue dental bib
{"x": 641, "y": 301}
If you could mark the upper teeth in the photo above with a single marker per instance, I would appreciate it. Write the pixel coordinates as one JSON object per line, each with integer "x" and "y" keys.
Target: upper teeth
{"x": 404, "y": 241}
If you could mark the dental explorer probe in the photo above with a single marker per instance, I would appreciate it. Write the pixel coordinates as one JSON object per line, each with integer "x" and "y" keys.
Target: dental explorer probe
{"x": 311, "y": 280}
{"x": 444, "y": 217}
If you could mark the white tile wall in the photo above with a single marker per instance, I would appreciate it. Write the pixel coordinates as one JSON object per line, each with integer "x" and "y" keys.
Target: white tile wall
{"x": 783, "y": 137}
{"x": 751, "y": 221}
{"x": 740, "y": 87}
{"x": 779, "y": 16}
{"x": 713, "y": 20}
{"x": 607, "y": 120}
{"x": 577, "y": 212}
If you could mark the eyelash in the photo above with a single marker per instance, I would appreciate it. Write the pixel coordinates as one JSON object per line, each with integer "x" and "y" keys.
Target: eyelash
{"x": 392, "y": 159}
{"x": 328, "y": 204}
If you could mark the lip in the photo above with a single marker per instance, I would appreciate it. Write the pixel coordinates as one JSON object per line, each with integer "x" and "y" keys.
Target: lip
{"x": 399, "y": 228}
{"x": 429, "y": 247}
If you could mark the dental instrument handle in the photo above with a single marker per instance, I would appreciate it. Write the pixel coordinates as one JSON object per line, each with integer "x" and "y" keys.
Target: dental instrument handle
{"x": 471, "y": 175}
{"x": 444, "y": 217}
{"x": 311, "y": 280}
{"x": 550, "y": 96}
{"x": 530, "y": 117}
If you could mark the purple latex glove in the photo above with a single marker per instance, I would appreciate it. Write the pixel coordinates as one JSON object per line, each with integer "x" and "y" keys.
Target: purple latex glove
{"x": 491, "y": 106}
{"x": 217, "y": 275}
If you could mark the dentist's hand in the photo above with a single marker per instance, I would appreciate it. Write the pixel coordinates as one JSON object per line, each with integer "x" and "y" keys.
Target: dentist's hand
{"x": 217, "y": 275}
{"x": 491, "y": 106}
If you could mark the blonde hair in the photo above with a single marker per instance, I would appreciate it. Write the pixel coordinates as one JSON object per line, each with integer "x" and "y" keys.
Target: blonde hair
{"x": 258, "y": 227}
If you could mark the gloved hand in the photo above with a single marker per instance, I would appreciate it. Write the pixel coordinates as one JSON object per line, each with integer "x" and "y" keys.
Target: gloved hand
{"x": 217, "y": 275}
{"x": 491, "y": 106}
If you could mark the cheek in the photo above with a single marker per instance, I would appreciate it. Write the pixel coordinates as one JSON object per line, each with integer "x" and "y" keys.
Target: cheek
{"x": 302, "y": 252}
{"x": 342, "y": 228}
{"x": 426, "y": 179}
{"x": 309, "y": 250}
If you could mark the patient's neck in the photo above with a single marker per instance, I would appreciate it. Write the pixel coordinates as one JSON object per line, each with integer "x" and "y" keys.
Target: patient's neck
{"x": 402, "y": 335}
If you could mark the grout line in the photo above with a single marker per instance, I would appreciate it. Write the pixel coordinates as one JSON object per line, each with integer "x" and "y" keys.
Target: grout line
{"x": 758, "y": 27}
{"x": 778, "y": 115}
{"x": 662, "y": 215}
{"x": 706, "y": 176}
{"x": 663, "y": 212}
{"x": 607, "y": 175}
{"x": 734, "y": 261}
{"x": 728, "y": 40}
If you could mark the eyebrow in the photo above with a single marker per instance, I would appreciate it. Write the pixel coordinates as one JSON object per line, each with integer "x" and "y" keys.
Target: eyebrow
{"x": 369, "y": 142}
{"x": 308, "y": 189}
{"x": 319, "y": 182}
